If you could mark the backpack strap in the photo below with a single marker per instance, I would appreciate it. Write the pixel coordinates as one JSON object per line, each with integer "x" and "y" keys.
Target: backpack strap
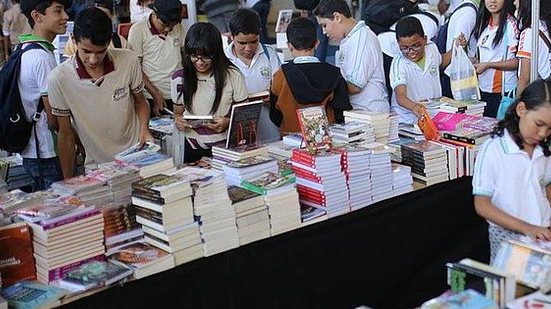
{"x": 117, "y": 43}
{"x": 546, "y": 40}
{"x": 265, "y": 51}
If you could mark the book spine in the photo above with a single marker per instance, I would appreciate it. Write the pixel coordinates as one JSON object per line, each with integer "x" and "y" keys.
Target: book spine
{"x": 148, "y": 196}
{"x": 249, "y": 186}
{"x": 457, "y": 138}
{"x": 50, "y": 226}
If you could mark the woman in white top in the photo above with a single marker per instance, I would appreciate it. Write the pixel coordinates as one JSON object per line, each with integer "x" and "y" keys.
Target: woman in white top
{"x": 496, "y": 36}
{"x": 139, "y": 10}
{"x": 524, "y": 52}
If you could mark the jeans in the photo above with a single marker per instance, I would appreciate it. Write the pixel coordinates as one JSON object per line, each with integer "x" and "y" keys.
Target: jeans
{"x": 50, "y": 168}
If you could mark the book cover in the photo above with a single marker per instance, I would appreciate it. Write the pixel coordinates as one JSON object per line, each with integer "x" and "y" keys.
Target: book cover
{"x": 266, "y": 182}
{"x": 238, "y": 194}
{"x": 137, "y": 150}
{"x": 315, "y": 128}
{"x": 139, "y": 255}
{"x": 159, "y": 184}
{"x": 95, "y": 274}
{"x": 16, "y": 254}
{"x": 243, "y": 127}
{"x": 283, "y": 20}
{"x": 32, "y": 295}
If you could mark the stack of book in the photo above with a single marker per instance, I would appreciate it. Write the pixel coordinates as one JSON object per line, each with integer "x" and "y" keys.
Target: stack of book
{"x": 281, "y": 198}
{"x": 310, "y": 215}
{"x": 16, "y": 254}
{"x": 356, "y": 166}
{"x": 221, "y": 156}
{"x": 279, "y": 149}
{"x": 321, "y": 181}
{"x": 17, "y": 176}
{"x": 64, "y": 242}
{"x": 147, "y": 159}
{"x": 428, "y": 161}
{"x": 352, "y": 131}
{"x": 89, "y": 189}
{"x": 469, "y": 107}
{"x": 119, "y": 179}
{"x": 381, "y": 171}
{"x": 251, "y": 215}
{"x": 120, "y": 226}
{"x": 143, "y": 259}
{"x": 165, "y": 210}
{"x": 16, "y": 199}
{"x": 94, "y": 274}
{"x": 244, "y": 169}
{"x": 378, "y": 120}
{"x": 402, "y": 182}
{"x": 410, "y": 131}
{"x": 394, "y": 127}
{"x": 213, "y": 207}
{"x": 29, "y": 294}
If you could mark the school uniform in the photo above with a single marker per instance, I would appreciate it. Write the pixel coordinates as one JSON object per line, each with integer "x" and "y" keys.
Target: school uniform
{"x": 544, "y": 54}
{"x": 421, "y": 83}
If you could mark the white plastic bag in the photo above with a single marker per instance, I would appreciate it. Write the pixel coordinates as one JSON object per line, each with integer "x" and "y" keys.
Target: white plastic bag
{"x": 463, "y": 78}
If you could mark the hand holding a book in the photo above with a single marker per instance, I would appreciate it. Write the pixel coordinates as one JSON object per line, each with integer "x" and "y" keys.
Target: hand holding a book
{"x": 182, "y": 124}
{"x": 219, "y": 124}
{"x": 145, "y": 136}
{"x": 419, "y": 110}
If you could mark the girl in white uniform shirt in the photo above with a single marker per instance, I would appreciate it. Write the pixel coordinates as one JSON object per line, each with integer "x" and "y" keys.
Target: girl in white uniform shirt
{"x": 524, "y": 52}
{"x": 497, "y": 63}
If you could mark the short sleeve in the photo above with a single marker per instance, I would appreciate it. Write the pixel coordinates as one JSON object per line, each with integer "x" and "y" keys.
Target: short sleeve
{"x": 176, "y": 87}
{"x": 135, "y": 40}
{"x": 55, "y": 94}
{"x": 239, "y": 88}
{"x": 513, "y": 34}
{"x": 485, "y": 171}
{"x": 358, "y": 67}
{"x": 275, "y": 63}
{"x": 462, "y": 21}
{"x": 42, "y": 64}
{"x": 136, "y": 76}
{"x": 6, "y": 24}
{"x": 525, "y": 44}
{"x": 397, "y": 72}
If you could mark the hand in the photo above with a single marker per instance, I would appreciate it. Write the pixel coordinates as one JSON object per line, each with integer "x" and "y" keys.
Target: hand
{"x": 219, "y": 124}
{"x": 145, "y": 136}
{"x": 181, "y": 123}
{"x": 419, "y": 109}
{"x": 481, "y": 67}
{"x": 461, "y": 40}
{"x": 538, "y": 232}
{"x": 159, "y": 104}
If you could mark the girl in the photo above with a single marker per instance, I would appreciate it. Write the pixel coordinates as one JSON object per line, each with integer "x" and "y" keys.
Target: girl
{"x": 139, "y": 10}
{"x": 511, "y": 184}
{"x": 496, "y": 35}
{"x": 525, "y": 42}
{"x": 212, "y": 84}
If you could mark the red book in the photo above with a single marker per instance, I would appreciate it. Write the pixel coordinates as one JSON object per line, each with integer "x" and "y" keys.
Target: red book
{"x": 16, "y": 254}
{"x": 315, "y": 128}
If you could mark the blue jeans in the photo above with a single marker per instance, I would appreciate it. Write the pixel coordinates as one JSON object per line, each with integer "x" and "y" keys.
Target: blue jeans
{"x": 51, "y": 172}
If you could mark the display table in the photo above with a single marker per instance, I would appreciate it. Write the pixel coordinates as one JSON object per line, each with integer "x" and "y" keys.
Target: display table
{"x": 388, "y": 255}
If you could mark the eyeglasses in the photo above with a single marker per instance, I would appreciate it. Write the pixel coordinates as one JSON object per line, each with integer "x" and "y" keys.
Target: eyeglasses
{"x": 205, "y": 59}
{"x": 413, "y": 48}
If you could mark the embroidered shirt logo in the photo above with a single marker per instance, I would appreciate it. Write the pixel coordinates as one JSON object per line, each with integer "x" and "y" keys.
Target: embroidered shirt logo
{"x": 265, "y": 73}
{"x": 433, "y": 71}
{"x": 176, "y": 42}
{"x": 120, "y": 94}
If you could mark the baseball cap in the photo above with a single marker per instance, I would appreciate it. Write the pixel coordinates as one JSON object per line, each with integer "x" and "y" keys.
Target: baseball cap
{"x": 169, "y": 10}
{"x": 27, "y": 6}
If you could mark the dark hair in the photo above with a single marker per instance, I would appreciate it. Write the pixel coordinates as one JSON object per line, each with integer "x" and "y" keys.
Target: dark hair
{"x": 204, "y": 39}
{"x": 244, "y": 21}
{"x": 483, "y": 20}
{"x": 326, "y": 8}
{"x": 41, "y": 7}
{"x": 409, "y": 26}
{"x": 93, "y": 24}
{"x": 535, "y": 95}
{"x": 301, "y": 33}
{"x": 525, "y": 14}
{"x": 106, "y": 4}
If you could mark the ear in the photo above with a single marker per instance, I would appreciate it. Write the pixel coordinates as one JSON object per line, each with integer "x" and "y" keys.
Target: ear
{"x": 338, "y": 17}
{"x": 36, "y": 16}
{"x": 521, "y": 109}
{"x": 317, "y": 44}
{"x": 290, "y": 46}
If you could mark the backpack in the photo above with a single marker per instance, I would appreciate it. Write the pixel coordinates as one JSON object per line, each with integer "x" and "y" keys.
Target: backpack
{"x": 308, "y": 5}
{"x": 442, "y": 37}
{"x": 15, "y": 128}
{"x": 379, "y": 15}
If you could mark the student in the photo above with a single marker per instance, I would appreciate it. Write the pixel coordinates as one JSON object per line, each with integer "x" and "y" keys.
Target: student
{"x": 208, "y": 85}
{"x": 47, "y": 19}
{"x": 359, "y": 57}
{"x": 157, "y": 41}
{"x": 306, "y": 81}
{"x": 116, "y": 42}
{"x": 513, "y": 170}
{"x": 497, "y": 64}
{"x": 99, "y": 93}
{"x": 462, "y": 20}
{"x": 524, "y": 52}
{"x": 262, "y": 7}
{"x": 415, "y": 73}
{"x": 139, "y": 10}
{"x": 256, "y": 61}
{"x": 14, "y": 24}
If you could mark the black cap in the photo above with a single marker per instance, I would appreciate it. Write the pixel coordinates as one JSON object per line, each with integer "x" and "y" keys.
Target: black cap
{"x": 169, "y": 10}
{"x": 27, "y": 6}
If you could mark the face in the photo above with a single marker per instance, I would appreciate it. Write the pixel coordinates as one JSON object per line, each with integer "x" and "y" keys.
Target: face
{"x": 245, "y": 45}
{"x": 494, "y": 6}
{"x": 332, "y": 28}
{"x": 163, "y": 26}
{"x": 413, "y": 47}
{"x": 534, "y": 125}
{"x": 91, "y": 55}
{"x": 202, "y": 64}
{"x": 54, "y": 19}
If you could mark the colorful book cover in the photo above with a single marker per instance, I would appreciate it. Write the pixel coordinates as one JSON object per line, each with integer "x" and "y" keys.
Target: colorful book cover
{"x": 16, "y": 254}
{"x": 251, "y": 161}
{"x": 96, "y": 273}
{"x": 243, "y": 127}
{"x": 266, "y": 182}
{"x": 315, "y": 128}
{"x": 158, "y": 183}
{"x": 139, "y": 255}
{"x": 27, "y": 295}
{"x": 238, "y": 194}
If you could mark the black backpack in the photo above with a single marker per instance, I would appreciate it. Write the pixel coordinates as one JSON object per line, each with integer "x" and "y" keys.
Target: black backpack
{"x": 15, "y": 128}
{"x": 379, "y": 15}
{"x": 442, "y": 36}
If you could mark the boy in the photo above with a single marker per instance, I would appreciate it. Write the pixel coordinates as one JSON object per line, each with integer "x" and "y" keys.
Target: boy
{"x": 415, "y": 73}
{"x": 47, "y": 19}
{"x": 359, "y": 58}
{"x": 15, "y": 24}
{"x": 99, "y": 92}
{"x": 157, "y": 41}
{"x": 256, "y": 61}
{"x": 306, "y": 81}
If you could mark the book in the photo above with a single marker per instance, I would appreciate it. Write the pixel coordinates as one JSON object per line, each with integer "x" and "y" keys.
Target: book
{"x": 144, "y": 259}
{"x": 243, "y": 127}
{"x": 28, "y": 294}
{"x": 259, "y": 96}
{"x": 94, "y": 274}
{"x": 268, "y": 183}
{"x": 283, "y": 20}
{"x": 466, "y": 299}
{"x": 136, "y": 150}
{"x": 16, "y": 254}
{"x": 162, "y": 185}
{"x": 198, "y": 121}
{"x": 315, "y": 128}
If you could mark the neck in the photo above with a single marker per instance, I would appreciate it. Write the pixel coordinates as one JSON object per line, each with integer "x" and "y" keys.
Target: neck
{"x": 49, "y": 36}
{"x": 495, "y": 19}
{"x": 302, "y": 53}
{"x": 349, "y": 24}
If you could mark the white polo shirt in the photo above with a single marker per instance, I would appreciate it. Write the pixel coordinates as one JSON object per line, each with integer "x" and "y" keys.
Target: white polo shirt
{"x": 491, "y": 80}
{"x": 361, "y": 62}
{"x": 544, "y": 54}
{"x": 160, "y": 55}
{"x": 462, "y": 21}
{"x": 258, "y": 76}
{"x": 515, "y": 182}
{"x": 421, "y": 84}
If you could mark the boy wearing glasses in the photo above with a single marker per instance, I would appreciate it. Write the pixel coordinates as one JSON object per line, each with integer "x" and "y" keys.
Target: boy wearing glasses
{"x": 157, "y": 41}
{"x": 359, "y": 58}
{"x": 415, "y": 72}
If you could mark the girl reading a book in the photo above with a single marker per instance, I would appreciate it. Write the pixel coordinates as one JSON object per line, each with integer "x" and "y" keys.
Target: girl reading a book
{"x": 208, "y": 85}
{"x": 512, "y": 176}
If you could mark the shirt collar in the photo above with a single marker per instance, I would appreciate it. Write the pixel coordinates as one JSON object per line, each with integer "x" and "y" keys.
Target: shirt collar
{"x": 510, "y": 147}
{"x": 108, "y": 67}
{"x": 29, "y": 37}
{"x": 151, "y": 27}
{"x": 360, "y": 24}
{"x": 305, "y": 59}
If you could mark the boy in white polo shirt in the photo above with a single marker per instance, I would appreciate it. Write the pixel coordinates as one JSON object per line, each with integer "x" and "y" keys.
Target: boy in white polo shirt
{"x": 256, "y": 61}
{"x": 359, "y": 57}
{"x": 99, "y": 94}
{"x": 415, "y": 73}
{"x": 157, "y": 41}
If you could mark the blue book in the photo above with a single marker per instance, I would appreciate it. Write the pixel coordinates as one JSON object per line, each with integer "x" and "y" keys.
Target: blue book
{"x": 28, "y": 294}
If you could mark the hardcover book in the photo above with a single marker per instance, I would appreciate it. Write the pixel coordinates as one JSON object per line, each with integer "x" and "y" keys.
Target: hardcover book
{"x": 32, "y": 295}
{"x": 315, "y": 128}
{"x": 243, "y": 127}
{"x": 16, "y": 254}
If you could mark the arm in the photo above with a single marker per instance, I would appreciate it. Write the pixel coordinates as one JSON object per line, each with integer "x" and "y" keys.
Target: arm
{"x": 158, "y": 99}
{"x": 66, "y": 146}
{"x": 142, "y": 109}
{"x": 405, "y": 102}
{"x": 52, "y": 120}
{"x": 488, "y": 211}
{"x": 505, "y": 65}
{"x": 352, "y": 89}
{"x": 276, "y": 116}
{"x": 524, "y": 75}
{"x": 447, "y": 56}
{"x": 7, "y": 47}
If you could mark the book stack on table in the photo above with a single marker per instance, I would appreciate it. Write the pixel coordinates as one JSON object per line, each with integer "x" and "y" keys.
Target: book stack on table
{"x": 90, "y": 190}
{"x": 355, "y": 163}
{"x": 378, "y": 120}
{"x": 428, "y": 161}
{"x": 381, "y": 172}
{"x": 402, "y": 182}
{"x": 253, "y": 221}
{"x": 239, "y": 170}
{"x": 119, "y": 178}
{"x": 120, "y": 226}
{"x": 222, "y": 156}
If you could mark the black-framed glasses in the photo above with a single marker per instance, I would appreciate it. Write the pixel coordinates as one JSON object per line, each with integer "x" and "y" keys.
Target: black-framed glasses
{"x": 413, "y": 48}
{"x": 205, "y": 59}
